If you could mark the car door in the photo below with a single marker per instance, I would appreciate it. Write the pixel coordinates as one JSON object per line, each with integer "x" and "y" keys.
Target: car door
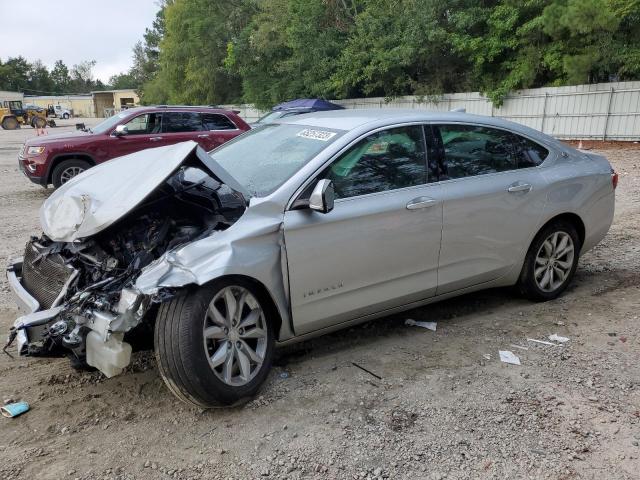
{"x": 378, "y": 248}
{"x": 143, "y": 131}
{"x": 490, "y": 206}
{"x": 217, "y": 129}
{"x": 182, "y": 126}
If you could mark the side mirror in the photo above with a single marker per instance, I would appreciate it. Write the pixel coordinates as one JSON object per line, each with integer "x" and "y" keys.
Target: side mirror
{"x": 121, "y": 130}
{"x": 321, "y": 199}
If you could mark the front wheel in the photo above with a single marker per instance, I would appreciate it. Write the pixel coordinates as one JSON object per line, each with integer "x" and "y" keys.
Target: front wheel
{"x": 65, "y": 116}
{"x": 214, "y": 346}
{"x": 551, "y": 262}
{"x": 66, "y": 170}
{"x": 10, "y": 123}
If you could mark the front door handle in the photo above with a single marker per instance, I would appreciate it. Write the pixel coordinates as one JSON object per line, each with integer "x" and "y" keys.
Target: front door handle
{"x": 421, "y": 202}
{"x": 203, "y": 136}
{"x": 155, "y": 139}
{"x": 521, "y": 187}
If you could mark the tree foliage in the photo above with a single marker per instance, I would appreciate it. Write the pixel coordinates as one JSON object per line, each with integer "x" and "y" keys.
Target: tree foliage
{"x": 267, "y": 51}
{"x": 35, "y": 78}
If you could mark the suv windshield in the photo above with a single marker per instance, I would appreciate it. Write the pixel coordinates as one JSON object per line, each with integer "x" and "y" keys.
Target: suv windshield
{"x": 109, "y": 123}
{"x": 264, "y": 158}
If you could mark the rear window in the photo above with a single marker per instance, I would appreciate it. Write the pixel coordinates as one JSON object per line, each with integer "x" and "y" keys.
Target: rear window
{"x": 214, "y": 121}
{"x": 529, "y": 153}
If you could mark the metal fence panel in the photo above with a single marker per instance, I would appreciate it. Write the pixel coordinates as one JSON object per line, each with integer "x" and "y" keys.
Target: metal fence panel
{"x": 604, "y": 111}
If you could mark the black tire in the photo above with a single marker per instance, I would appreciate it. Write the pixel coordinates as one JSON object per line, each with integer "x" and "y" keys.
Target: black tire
{"x": 527, "y": 283}
{"x": 58, "y": 176}
{"x": 65, "y": 116}
{"x": 10, "y": 123}
{"x": 180, "y": 348}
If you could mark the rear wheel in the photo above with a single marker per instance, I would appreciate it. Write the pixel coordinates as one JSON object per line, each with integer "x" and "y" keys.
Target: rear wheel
{"x": 214, "y": 346}
{"x": 551, "y": 262}
{"x": 65, "y": 116}
{"x": 10, "y": 123}
{"x": 67, "y": 169}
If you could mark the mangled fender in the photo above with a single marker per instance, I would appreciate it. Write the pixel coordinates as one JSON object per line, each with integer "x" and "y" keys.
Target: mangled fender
{"x": 252, "y": 247}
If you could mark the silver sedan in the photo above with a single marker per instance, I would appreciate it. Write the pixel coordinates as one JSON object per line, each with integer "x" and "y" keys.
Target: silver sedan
{"x": 298, "y": 228}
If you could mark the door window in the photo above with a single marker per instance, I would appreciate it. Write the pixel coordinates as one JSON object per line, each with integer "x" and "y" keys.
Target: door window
{"x": 470, "y": 150}
{"x": 214, "y": 121}
{"x": 148, "y": 123}
{"x": 177, "y": 122}
{"x": 382, "y": 161}
{"x": 528, "y": 153}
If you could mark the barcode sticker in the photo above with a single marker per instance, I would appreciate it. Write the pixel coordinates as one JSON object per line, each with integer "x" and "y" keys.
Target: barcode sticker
{"x": 321, "y": 135}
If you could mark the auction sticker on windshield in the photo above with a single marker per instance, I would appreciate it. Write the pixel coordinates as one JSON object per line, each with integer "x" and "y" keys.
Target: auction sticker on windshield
{"x": 321, "y": 135}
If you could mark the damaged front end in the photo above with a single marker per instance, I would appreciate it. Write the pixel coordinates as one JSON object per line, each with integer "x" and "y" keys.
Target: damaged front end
{"x": 76, "y": 282}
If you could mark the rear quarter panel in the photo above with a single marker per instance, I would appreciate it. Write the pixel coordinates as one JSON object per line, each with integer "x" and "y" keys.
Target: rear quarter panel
{"x": 580, "y": 183}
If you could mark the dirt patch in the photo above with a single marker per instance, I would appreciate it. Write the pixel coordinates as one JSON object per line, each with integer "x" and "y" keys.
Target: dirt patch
{"x": 443, "y": 407}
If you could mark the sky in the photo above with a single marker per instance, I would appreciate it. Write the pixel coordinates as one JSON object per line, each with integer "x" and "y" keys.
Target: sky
{"x": 75, "y": 30}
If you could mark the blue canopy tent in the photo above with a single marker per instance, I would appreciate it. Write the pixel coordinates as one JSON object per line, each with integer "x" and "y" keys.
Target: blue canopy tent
{"x": 313, "y": 104}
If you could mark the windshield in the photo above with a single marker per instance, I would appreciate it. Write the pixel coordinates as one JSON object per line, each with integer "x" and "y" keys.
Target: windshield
{"x": 109, "y": 123}
{"x": 264, "y": 158}
{"x": 270, "y": 117}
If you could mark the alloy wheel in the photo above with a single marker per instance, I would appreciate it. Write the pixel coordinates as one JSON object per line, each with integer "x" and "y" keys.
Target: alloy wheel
{"x": 554, "y": 261}
{"x": 235, "y": 335}
{"x": 68, "y": 173}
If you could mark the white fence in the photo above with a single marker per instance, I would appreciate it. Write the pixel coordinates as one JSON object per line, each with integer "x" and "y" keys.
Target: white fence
{"x": 603, "y": 111}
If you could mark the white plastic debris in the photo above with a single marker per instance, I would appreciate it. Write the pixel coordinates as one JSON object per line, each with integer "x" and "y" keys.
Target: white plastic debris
{"x": 428, "y": 325}
{"x": 486, "y": 356}
{"x": 509, "y": 357}
{"x": 543, "y": 342}
{"x": 557, "y": 338}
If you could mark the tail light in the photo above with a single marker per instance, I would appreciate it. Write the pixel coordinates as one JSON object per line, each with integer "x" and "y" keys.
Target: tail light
{"x": 614, "y": 179}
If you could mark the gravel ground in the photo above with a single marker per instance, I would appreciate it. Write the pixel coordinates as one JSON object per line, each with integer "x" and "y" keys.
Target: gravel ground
{"x": 441, "y": 405}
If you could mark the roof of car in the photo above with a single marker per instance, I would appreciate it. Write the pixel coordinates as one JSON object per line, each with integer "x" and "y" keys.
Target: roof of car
{"x": 351, "y": 119}
{"x": 208, "y": 108}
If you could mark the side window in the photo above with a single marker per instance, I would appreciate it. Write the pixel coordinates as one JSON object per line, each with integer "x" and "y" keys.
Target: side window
{"x": 144, "y": 124}
{"x": 213, "y": 121}
{"x": 472, "y": 150}
{"x": 385, "y": 160}
{"x": 177, "y": 122}
{"x": 528, "y": 153}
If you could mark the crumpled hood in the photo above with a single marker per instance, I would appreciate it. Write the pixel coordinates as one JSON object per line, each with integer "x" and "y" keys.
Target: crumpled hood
{"x": 97, "y": 198}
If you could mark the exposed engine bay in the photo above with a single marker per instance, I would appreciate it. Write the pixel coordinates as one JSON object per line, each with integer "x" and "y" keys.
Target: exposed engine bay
{"x": 85, "y": 288}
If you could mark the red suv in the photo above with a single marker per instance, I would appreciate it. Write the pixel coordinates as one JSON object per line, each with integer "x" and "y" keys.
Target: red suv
{"x": 57, "y": 158}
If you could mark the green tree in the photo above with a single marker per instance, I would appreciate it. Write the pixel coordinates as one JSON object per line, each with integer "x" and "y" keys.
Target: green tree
{"x": 38, "y": 79}
{"x": 123, "y": 81}
{"x": 289, "y": 49}
{"x": 192, "y": 53}
{"x": 408, "y": 52}
{"x": 60, "y": 77}
{"x": 14, "y": 74}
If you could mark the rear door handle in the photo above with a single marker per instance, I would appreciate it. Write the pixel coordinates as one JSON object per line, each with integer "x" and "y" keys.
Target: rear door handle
{"x": 421, "y": 202}
{"x": 155, "y": 139}
{"x": 521, "y": 187}
{"x": 203, "y": 136}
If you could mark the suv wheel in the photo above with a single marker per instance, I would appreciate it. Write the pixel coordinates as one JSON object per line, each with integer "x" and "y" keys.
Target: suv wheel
{"x": 65, "y": 116}
{"x": 67, "y": 169}
{"x": 551, "y": 262}
{"x": 214, "y": 346}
